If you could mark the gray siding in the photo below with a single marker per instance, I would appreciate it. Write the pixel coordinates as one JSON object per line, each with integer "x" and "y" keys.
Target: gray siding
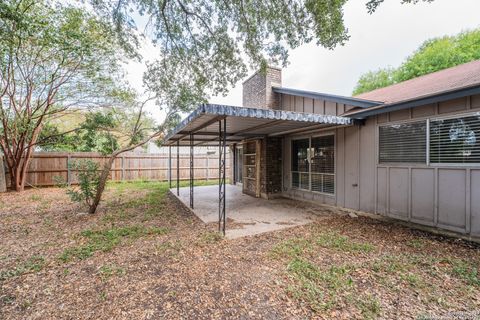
{"x": 447, "y": 197}
{"x": 308, "y": 105}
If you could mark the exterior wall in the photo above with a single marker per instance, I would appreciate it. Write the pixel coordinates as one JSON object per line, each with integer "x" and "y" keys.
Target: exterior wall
{"x": 271, "y": 167}
{"x": 257, "y": 90}
{"x": 309, "y": 105}
{"x": 442, "y": 196}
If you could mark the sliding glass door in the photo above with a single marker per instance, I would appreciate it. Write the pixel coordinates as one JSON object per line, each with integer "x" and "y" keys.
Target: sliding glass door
{"x": 313, "y": 164}
{"x": 300, "y": 165}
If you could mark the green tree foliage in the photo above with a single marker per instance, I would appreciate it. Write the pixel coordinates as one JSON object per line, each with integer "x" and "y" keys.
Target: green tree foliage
{"x": 93, "y": 135}
{"x": 372, "y": 5}
{"x": 207, "y": 46}
{"x": 375, "y": 79}
{"x": 441, "y": 53}
{"x": 51, "y": 59}
{"x": 433, "y": 55}
{"x": 102, "y": 131}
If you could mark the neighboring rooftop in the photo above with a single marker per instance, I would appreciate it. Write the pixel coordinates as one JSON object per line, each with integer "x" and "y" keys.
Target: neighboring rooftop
{"x": 462, "y": 76}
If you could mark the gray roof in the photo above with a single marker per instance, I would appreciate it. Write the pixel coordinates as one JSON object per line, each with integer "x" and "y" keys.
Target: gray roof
{"x": 243, "y": 123}
{"x": 414, "y": 102}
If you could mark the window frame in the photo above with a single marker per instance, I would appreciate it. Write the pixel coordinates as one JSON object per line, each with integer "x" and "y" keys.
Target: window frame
{"x": 427, "y": 163}
{"x": 310, "y": 137}
{"x": 446, "y": 117}
{"x": 403, "y": 163}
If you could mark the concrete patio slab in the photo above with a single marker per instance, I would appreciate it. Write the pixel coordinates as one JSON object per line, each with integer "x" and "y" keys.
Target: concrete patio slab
{"x": 247, "y": 215}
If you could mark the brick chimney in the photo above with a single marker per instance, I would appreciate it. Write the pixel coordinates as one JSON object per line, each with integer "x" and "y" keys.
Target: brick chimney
{"x": 257, "y": 90}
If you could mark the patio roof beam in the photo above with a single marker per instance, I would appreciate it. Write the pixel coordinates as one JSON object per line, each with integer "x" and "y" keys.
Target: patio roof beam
{"x": 203, "y": 141}
{"x": 207, "y": 140}
{"x": 259, "y": 126}
{"x": 307, "y": 128}
{"x": 206, "y": 124}
{"x": 209, "y": 133}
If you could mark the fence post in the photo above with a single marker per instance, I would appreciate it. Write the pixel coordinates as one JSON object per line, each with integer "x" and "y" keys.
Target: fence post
{"x": 123, "y": 168}
{"x": 69, "y": 173}
{"x": 3, "y": 181}
{"x": 208, "y": 165}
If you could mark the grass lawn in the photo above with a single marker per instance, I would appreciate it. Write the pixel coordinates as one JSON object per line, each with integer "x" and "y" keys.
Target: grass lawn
{"x": 144, "y": 256}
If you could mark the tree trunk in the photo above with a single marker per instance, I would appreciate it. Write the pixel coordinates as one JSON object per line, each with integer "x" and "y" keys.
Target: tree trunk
{"x": 106, "y": 170}
{"x": 18, "y": 164}
{"x": 16, "y": 180}
{"x": 101, "y": 184}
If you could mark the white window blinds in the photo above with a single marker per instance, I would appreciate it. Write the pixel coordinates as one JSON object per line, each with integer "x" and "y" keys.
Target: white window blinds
{"x": 313, "y": 164}
{"x": 406, "y": 142}
{"x": 455, "y": 140}
{"x": 323, "y": 164}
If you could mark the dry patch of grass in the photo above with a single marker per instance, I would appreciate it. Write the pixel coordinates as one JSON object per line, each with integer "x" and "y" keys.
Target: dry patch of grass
{"x": 327, "y": 271}
{"x": 145, "y": 256}
{"x": 33, "y": 264}
{"x": 107, "y": 239}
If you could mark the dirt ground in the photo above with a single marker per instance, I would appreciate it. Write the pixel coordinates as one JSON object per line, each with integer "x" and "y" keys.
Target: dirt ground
{"x": 144, "y": 256}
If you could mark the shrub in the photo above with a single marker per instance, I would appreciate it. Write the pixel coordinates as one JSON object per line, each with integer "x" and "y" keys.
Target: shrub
{"x": 88, "y": 181}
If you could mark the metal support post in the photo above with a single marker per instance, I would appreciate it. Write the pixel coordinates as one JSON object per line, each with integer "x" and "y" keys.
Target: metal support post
{"x": 191, "y": 170}
{"x": 222, "y": 151}
{"x": 234, "y": 156}
{"x": 178, "y": 168}
{"x": 170, "y": 167}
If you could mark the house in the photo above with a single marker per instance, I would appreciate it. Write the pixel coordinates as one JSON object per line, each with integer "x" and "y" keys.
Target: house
{"x": 410, "y": 151}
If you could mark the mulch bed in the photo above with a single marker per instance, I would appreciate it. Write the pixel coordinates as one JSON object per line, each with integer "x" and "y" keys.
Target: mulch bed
{"x": 189, "y": 272}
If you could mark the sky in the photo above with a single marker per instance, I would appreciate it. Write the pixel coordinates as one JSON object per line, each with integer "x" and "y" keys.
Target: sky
{"x": 382, "y": 39}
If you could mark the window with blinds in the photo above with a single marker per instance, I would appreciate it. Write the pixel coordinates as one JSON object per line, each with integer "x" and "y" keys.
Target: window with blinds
{"x": 323, "y": 164}
{"x": 313, "y": 164}
{"x": 455, "y": 140}
{"x": 406, "y": 142}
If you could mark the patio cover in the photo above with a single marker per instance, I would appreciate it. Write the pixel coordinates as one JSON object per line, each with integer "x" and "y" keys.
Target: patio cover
{"x": 245, "y": 123}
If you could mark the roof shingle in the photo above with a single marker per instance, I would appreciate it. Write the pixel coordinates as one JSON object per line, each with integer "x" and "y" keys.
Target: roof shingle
{"x": 461, "y": 76}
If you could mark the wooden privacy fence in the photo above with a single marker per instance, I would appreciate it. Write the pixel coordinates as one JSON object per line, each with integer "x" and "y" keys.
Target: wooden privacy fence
{"x": 46, "y": 166}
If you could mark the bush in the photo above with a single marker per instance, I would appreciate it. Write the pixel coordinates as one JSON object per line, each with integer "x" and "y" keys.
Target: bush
{"x": 88, "y": 181}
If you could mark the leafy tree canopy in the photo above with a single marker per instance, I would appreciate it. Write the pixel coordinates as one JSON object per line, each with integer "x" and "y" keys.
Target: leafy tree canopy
{"x": 52, "y": 58}
{"x": 433, "y": 55}
{"x": 207, "y": 46}
{"x": 102, "y": 131}
{"x": 372, "y": 5}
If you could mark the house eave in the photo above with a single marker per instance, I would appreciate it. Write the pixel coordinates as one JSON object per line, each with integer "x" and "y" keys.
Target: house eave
{"x": 356, "y": 102}
{"x": 411, "y": 103}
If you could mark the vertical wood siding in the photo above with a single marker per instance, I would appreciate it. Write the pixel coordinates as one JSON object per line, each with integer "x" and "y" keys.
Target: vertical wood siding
{"x": 446, "y": 197}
